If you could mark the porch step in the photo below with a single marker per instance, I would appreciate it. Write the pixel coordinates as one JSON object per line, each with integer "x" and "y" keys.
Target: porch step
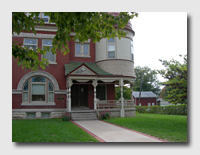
{"x": 78, "y": 116}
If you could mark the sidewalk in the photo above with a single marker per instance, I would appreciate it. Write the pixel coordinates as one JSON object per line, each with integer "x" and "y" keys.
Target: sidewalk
{"x": 106, "y": 132}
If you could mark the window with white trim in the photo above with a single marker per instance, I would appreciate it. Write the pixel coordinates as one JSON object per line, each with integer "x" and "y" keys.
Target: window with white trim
{"x": 49, "y": 55}
{"x": 38, "y": 89}
{"x": 132, "y": 53}
{"x": 149, "y": 104}
{"x": 82, "y": 50}
{"x": 30, "y": 43}
{"x": 42, "y": 16}
{"x": 111, "y": 48}
{"x": 153, "y": 104}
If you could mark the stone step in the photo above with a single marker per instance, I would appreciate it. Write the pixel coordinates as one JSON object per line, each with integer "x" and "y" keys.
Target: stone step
{"x": 83, "y": 116}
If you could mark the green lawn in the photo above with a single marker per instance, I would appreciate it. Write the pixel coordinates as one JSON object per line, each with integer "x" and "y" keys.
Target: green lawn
{"x": 48, "y": 130}
{"x": 168, "y": 127}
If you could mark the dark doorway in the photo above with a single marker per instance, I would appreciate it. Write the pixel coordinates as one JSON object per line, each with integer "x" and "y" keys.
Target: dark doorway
{"x": 101, "y": 95}
{"x": 79, "y": 95}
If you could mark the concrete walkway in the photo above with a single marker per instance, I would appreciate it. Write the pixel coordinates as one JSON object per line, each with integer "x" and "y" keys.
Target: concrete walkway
{"x": 106, "y": 132}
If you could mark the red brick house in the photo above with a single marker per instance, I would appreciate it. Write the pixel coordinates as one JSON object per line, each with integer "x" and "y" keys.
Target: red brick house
{"x": 83, "y": 79}
{"x": 147, "y": 98}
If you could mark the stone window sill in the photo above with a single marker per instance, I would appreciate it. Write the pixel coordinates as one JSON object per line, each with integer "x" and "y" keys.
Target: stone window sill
{"x": 52, "y": 63}
{"x": 38, "y": 104}
{"x": 82, "y": 56}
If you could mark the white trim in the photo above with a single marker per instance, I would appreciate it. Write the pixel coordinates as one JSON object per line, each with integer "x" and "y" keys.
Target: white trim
{"x": 37, "y": 73}
{"x": 61, "y": 92}
{"x": 38, "y": 104}
{"x": 39, "y": 110}
{"x": 15, "y": 91}
{"x": 32, "y": 35}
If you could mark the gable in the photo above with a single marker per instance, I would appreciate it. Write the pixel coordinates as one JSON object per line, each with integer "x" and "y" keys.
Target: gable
{"x": 83, "y": 70}
{"x": 76, "y": 68}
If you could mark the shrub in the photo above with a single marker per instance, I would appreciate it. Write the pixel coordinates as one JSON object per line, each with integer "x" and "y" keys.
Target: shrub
{"x": 105, "y": 115}
{"x": 169, "y": 110}
{"x": 65, "y": 117}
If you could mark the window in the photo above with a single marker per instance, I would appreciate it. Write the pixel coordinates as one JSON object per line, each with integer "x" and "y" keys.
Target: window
{"x": 30, "y": 43}
{"x": 149, "y": 104}
{"x": 82, "y": 50}
{"x": 38, "y": 89}
{"x": 140, "y": 104}
{"x": 132, "y": 55}
{"x": 43, "y": 16}
{"x": 30, "y": 115}
{"x": 49, "y": 55}
{"x": 153, "y": 104}
{"x": 45, "y": 115}
{"x": 111, "y": 48}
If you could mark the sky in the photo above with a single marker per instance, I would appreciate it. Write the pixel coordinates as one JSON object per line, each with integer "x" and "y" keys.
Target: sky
{"x": 159, "y": 35}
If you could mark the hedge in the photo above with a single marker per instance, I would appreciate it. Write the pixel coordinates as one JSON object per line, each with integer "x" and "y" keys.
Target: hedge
{"x": 169, "y": 110}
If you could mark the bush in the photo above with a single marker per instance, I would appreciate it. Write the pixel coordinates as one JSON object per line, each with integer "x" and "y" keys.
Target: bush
{"x": 65, "y": 117}
{"x": 105, "y": 115}
{"x": 169, "y": 110}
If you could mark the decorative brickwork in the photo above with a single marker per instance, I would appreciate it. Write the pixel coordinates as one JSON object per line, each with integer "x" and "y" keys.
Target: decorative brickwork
{"x": 118, "y": 67}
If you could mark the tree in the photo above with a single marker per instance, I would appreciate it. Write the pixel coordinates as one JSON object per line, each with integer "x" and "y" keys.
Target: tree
{"x": 149, "y": 80}
{"x": 126, "y": 93}
{"x": 176, "y": 75}
{"x": 86, "y": 25}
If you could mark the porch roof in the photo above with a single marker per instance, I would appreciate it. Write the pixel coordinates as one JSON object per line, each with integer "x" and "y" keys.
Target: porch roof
{"x": 93, "y": 66}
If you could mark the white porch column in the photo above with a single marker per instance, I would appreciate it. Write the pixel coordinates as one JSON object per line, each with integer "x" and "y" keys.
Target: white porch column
{"x": 131, "y": 85}
{"x": 122, "y": 113}
{"x": 69, "y": 84}
{"x": 67, "y": 101}
{"x": 94, "y": 83}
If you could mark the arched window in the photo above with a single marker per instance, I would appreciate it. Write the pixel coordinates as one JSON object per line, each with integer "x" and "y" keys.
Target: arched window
{"x": 38, "y": 89}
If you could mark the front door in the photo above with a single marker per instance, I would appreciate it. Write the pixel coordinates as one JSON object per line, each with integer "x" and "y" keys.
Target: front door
{"x": 79, "y": 95}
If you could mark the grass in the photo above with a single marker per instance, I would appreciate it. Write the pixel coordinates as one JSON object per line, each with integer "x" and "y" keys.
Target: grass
{"x": 172, "y": 128}
{"x": 48, "y": 130}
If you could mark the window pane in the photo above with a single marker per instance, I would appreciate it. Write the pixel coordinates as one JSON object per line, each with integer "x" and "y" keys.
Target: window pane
{"x": 30, "y": 115}
{"x": 50, "y": 96}
{"x": 132, "y": 57}
{"x": 38, "y": 79}
{"x": 47, "y": 42}
{"x": 111, "y": 47}
{"x": 131, "y": 49}
{"x": 25, "y": 97}
{"x": 45, "y": 18}
{"x": 111, "y": 54}
{"x": 111, "y": 40}
{"x": 38, "y": 89}
{"x": 26, "y": 86}
{"x": 38, "y": 97}
{"x": 30, "y": 41}
{"x": 50, "y": 87}
{"x": 49, "y": 56}
{"x": 45, "y": 115}
{"x": 86, "y": 49}
{"x": 31, "y": 47}
{"x": 78, "y": 48}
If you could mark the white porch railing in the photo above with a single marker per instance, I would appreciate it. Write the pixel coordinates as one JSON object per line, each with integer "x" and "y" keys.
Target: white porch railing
{"x": 113, "y": 104}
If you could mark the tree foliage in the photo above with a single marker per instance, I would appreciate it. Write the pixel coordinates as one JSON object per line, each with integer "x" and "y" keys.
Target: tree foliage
{"x": 149, "y": 80}
{"x": 126, "y": 93}
{"x": 176, "y": 75}
{"x": 86, "y": 25}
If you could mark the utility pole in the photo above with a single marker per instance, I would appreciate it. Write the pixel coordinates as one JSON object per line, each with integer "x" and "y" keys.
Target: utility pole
{"x": 140, "y": 88}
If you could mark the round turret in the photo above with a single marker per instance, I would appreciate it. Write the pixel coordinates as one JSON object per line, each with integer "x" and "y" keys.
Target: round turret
{"x": 116, "y": 55}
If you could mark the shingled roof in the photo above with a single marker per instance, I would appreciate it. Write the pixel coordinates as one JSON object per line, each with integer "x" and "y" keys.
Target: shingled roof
{"x": 93, "y": 66}
{"x": 144, "y": 94}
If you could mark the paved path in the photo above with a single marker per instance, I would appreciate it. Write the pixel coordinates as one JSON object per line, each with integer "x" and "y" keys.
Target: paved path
{"x": 112, "y": 133}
